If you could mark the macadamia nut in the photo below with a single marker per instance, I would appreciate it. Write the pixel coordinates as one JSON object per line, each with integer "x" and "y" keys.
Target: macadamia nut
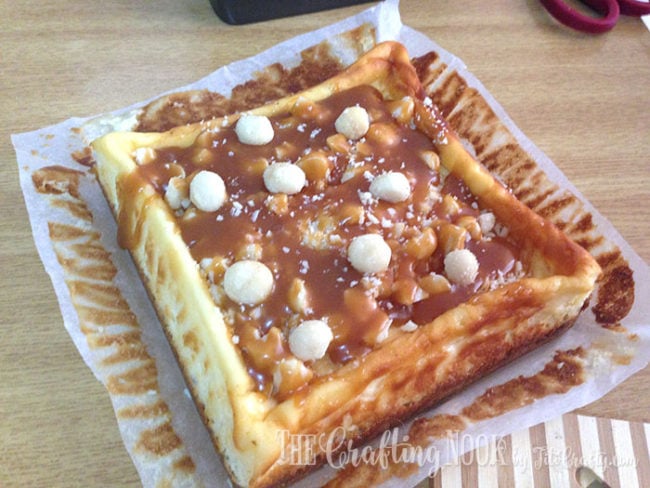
{"x": 461, "y": 266}
{"x": 353, "y": 122}
{"x": 207, "y": 191}
{"x": 248, "y": 282}
{"x": 310, "y": 340}
{"x": 284, "y": 178}
{"x": 392, "y": 186}
{"x": 369, "y": 253}
{"x": 290, "y": 374}
{"x": 255, "y": 130}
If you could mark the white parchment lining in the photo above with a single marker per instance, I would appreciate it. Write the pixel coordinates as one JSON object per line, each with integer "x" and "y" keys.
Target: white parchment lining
{"x": 54, "y": 145}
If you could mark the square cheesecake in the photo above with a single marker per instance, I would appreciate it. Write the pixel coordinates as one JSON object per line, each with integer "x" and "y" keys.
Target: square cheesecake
{"x": 331, "y": 263}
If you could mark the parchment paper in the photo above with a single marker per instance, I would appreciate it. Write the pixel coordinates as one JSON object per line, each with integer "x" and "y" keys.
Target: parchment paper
{"x": 54, "y": 144}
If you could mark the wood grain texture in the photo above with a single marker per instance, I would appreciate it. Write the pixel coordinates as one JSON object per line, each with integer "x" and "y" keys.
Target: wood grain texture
{"x": 582, "y": 99}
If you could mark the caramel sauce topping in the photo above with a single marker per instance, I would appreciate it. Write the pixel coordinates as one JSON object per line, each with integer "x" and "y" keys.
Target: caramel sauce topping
{"x": 305, "y": 236}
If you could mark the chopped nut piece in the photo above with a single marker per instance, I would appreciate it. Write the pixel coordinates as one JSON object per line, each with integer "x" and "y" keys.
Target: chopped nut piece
{"x": 422, "y": 245}
{"x": 471, "y": 225}
{"x": 450, "y": 205}
{"x": 177, "y": 193}
{"x": 338, "y": 143}
{"x": 309, "y": 110}
{"x": 203, "y": 157}
{"x": 255, "y": 166}
{"x": 284, "y": 150}
{"x": 486, "y": 221}
{"x": 289, "y": 375}
{"x": 407, "y": 291}
{"x": 315, "y": 165}
{"x": 144, "y": 155}
{"x": 384, "y": 134}
{"x": 205, "y": 138}
{"x": 434, "y": 283}
{"x": 351, "y": 214}
{"x": 278, "y": 203}
{"x": 298, "y": 296}
{"x": 451, "y": 237}
{"x": 409, "y": 326}
{"x": 431, "y": 159}
{"x": 252, "y": 251}
{"x": 214, "y": 267}
{"x": 402, "y": 110}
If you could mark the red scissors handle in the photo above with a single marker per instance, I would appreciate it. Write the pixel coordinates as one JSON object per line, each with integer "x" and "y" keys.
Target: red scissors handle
{"x": 634, "y": 8}
{"x": 570, "y": 17}
{"x": 609, "y": 9}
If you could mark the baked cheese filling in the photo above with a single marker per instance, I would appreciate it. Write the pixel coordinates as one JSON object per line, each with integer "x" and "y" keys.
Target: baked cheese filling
{"x": 327, "y": 230}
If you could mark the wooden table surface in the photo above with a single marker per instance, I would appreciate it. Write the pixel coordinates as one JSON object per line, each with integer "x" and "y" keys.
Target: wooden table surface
{"x": 584, "y": 100}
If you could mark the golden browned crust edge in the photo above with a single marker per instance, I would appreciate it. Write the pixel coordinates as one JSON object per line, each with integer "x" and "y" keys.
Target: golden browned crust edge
{"x": 435, "y": 397}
